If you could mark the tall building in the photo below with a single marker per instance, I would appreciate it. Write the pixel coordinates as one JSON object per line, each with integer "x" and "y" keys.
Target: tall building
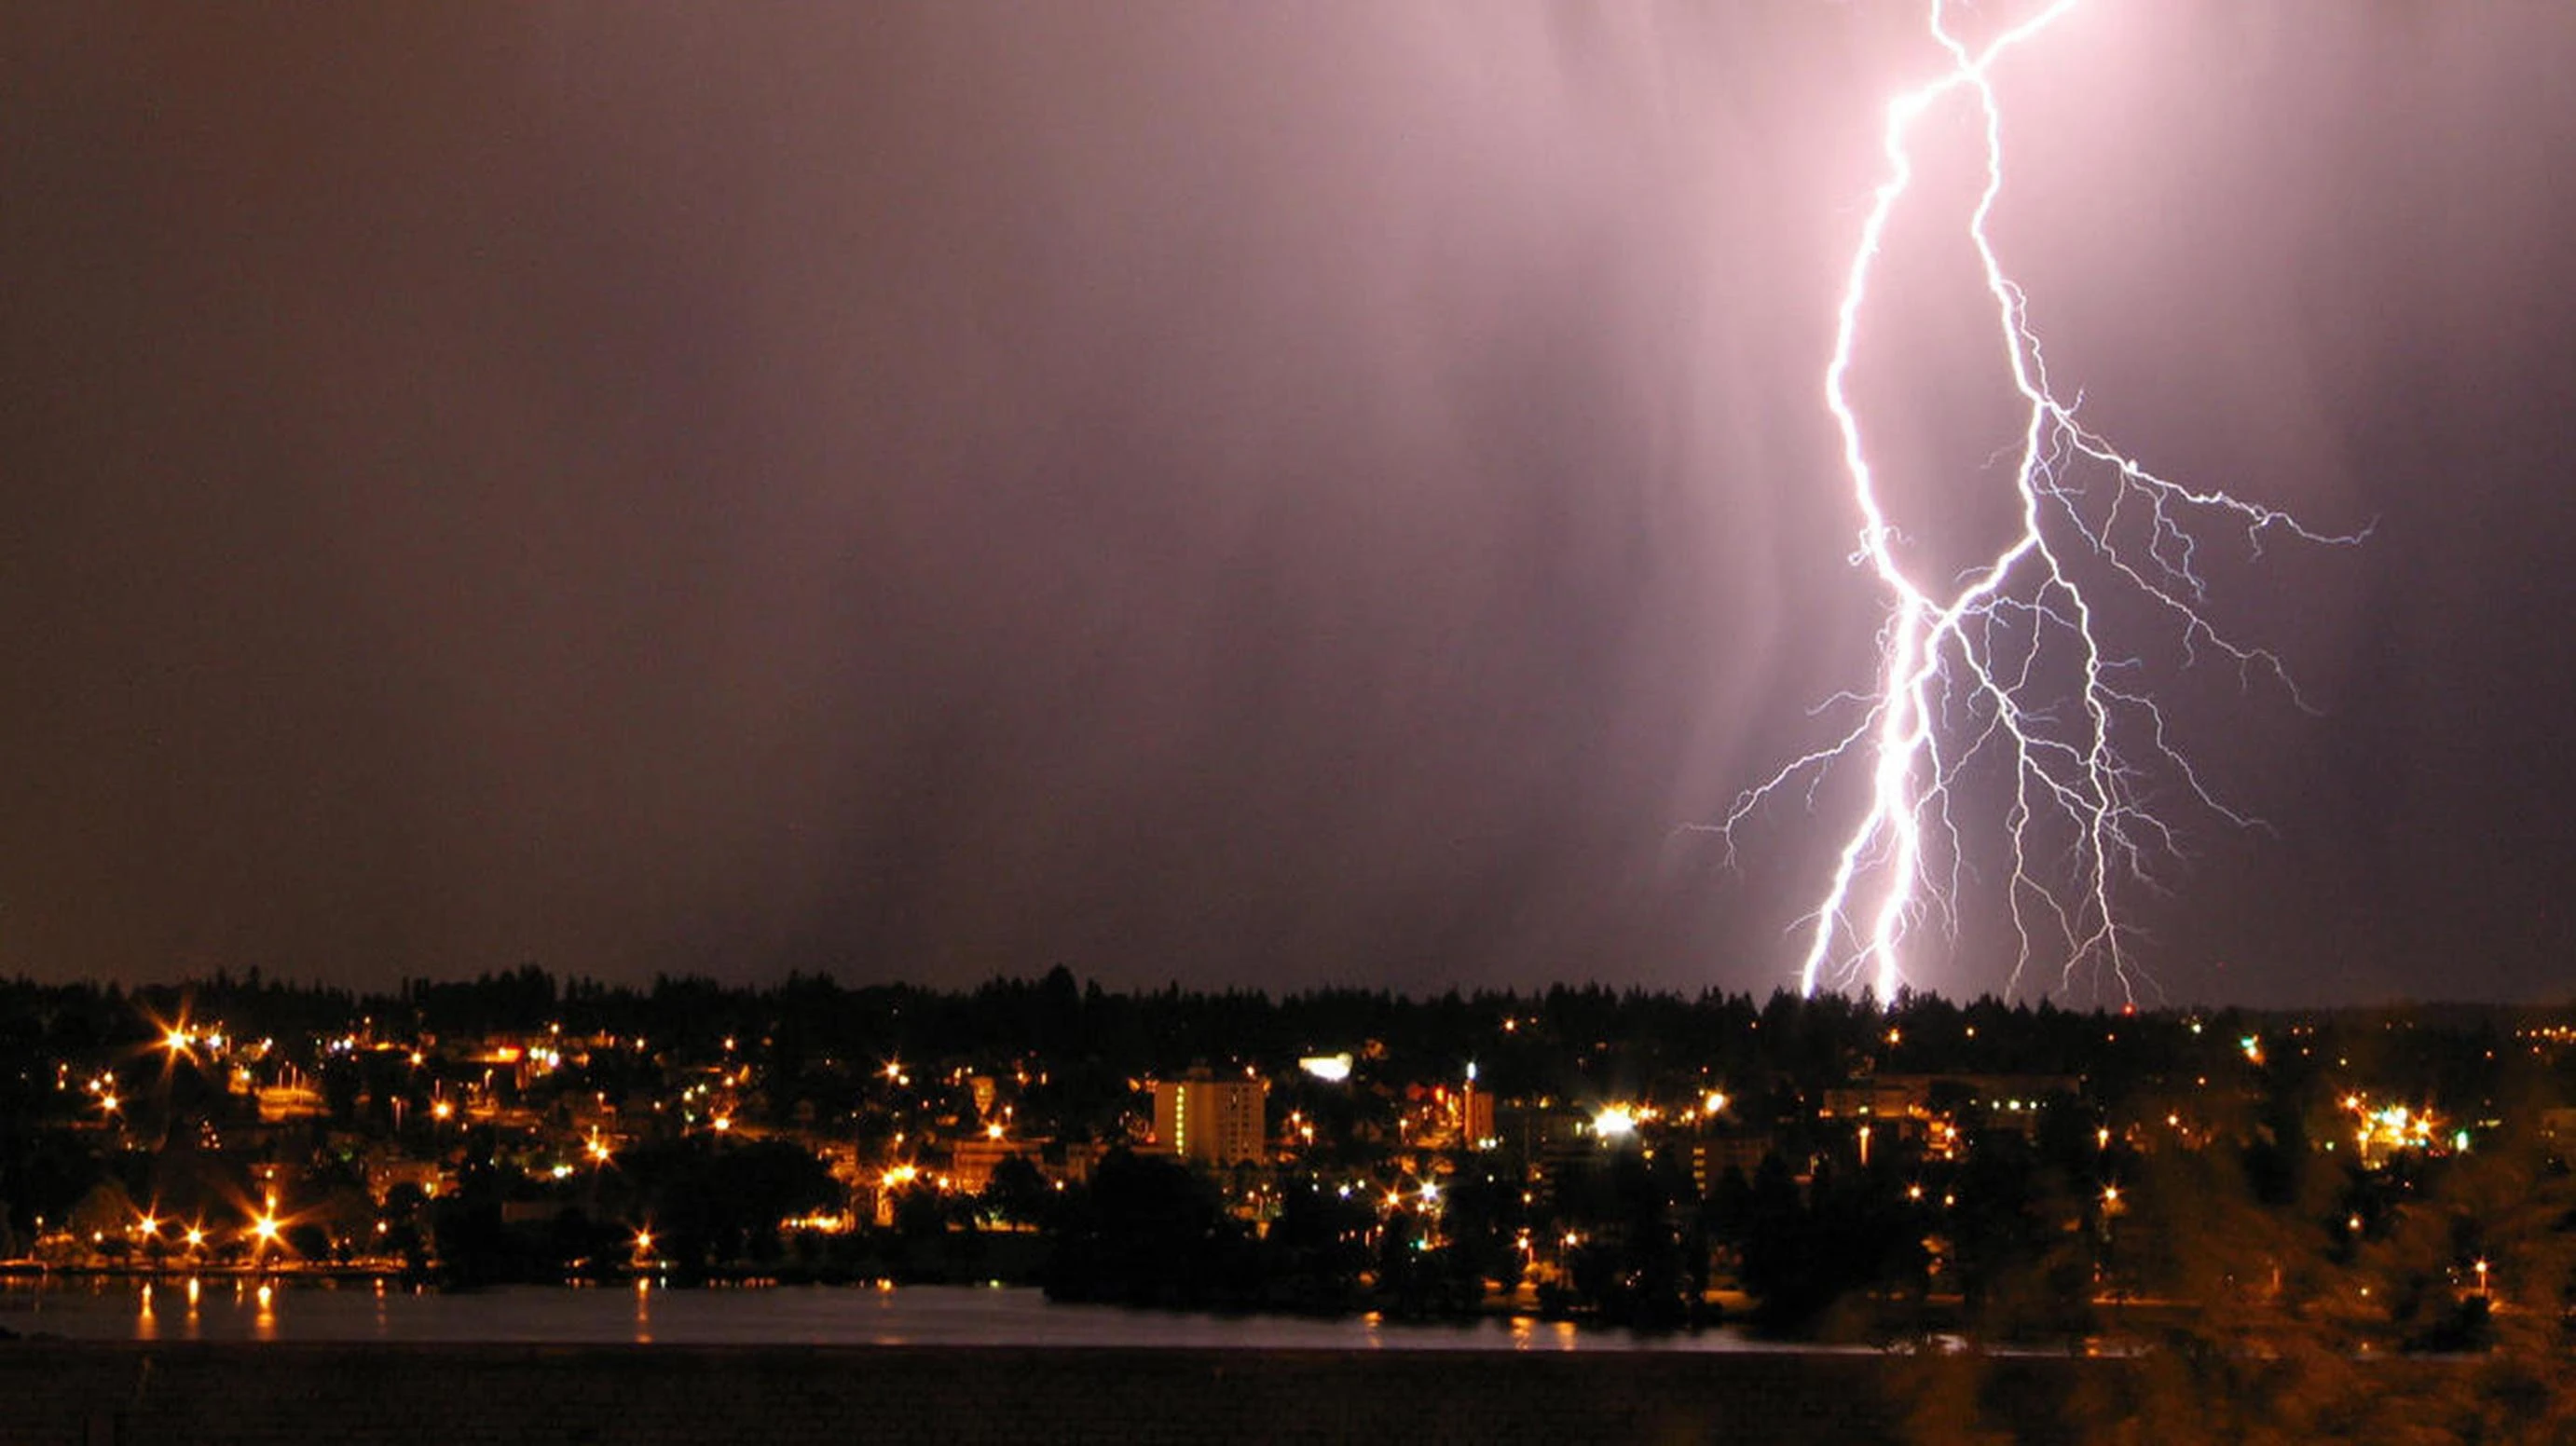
{"x": 1214, "y": 1121}
{"x": 1475, "y": 1116}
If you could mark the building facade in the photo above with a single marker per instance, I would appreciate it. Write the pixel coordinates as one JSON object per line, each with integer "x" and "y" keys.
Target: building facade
{"x": 1211, "y": 1121}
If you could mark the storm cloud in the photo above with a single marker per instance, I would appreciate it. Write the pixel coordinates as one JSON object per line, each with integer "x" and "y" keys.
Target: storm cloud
{"x": 1243, "y": 494}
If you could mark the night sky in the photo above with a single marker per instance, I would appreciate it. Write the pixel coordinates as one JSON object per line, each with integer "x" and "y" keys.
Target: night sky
{"x": 1239, "y": 493}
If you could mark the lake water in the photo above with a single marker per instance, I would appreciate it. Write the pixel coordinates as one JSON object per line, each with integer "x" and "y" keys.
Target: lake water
{"x": 235, "y": 1308}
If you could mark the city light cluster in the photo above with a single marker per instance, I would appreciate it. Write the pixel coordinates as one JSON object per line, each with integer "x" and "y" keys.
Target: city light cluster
{"x": 1499, "y": 1144}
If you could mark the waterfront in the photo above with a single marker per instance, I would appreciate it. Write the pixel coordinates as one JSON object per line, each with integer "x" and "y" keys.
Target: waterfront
{"x": 248, "y": 1308}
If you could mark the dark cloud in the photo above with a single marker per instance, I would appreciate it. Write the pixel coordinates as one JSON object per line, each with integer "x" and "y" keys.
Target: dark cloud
{"x": 1245, "y": 494}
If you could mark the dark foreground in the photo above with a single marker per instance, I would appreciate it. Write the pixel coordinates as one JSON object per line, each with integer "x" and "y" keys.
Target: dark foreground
{"x": 61, "y": 1393}
{"x": 98, "y": 1395}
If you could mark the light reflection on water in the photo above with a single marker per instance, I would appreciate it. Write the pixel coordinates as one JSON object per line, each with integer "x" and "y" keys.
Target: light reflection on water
{"x": 646, "y": 1313}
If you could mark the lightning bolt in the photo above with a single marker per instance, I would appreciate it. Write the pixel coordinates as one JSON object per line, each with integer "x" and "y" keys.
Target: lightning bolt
{"x": 2007, "y": 660}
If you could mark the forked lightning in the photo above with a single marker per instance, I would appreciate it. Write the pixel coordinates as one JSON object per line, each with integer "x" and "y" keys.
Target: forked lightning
{"x": 2010, "y": 657}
